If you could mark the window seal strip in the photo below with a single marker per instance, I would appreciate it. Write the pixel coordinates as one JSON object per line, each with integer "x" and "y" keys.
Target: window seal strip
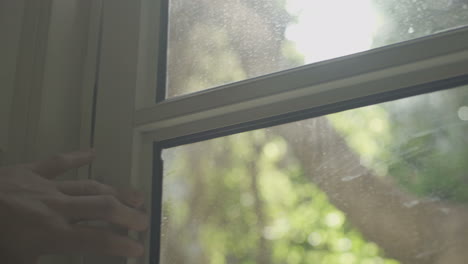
{"x": 318, "y": 111}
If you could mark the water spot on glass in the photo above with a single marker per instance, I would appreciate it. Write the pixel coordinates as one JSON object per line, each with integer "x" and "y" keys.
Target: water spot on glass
{"x": 440, "y": 4}
{"x": 445, "y": 210}
{"x": 425, "y": 254}
{"x": 351, "y": 177}
{"x": 463, "y": 113}
{"x": 433, "y": 199}
{"x": 411, "y": 204}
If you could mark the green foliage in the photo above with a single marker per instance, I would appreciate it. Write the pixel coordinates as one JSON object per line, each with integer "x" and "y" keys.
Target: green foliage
{"x": 430, "y": 147}
{"x": 251, "y": 200}
{"x": 367, "y": 132}
{"x": 420, "y": 142}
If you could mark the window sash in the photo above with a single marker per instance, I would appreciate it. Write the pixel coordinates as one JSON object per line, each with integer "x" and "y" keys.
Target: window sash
{"x": 395, "y": 68}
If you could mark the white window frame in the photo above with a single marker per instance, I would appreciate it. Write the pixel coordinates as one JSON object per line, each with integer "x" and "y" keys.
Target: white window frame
{"x": 128, "y": 121}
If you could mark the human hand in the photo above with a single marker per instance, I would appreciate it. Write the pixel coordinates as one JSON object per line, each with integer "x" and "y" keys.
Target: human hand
{"x": 41, "y": 216}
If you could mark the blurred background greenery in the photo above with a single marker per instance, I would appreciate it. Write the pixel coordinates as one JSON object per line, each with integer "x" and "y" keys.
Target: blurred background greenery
{"x": 264, "y": 196}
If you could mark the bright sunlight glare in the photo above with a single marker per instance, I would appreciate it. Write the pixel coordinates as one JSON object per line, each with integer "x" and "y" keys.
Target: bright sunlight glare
{"x": 328, "y": 29}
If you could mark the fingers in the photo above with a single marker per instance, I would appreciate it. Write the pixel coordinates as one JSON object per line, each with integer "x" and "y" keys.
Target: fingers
{"x": 88, "y": 240}
{"x": 132, "y": 197}
{"x": 106, "y": 208}
{"x": 90, "y": 187}
{"x": 85, "y": 187}
{"x": 59, "y": 164}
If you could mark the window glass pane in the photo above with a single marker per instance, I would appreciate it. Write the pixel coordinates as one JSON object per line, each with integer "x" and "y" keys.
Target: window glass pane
{"x": 386, "y": 183}
{"x": 217, "y": 42}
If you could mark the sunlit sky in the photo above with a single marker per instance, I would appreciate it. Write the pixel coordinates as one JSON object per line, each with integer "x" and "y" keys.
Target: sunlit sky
{"x": 331, "y": 28}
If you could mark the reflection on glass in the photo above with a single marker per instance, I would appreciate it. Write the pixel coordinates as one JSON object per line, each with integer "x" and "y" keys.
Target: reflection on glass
{"x": 217, "y": 42}
{"x": 386, "y": 183}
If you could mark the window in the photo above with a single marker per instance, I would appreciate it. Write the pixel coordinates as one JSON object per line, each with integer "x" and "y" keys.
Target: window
{"x": 406, "y": 115}
{"x": 368, "y": 185}
{"x": 219, "y": 42}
